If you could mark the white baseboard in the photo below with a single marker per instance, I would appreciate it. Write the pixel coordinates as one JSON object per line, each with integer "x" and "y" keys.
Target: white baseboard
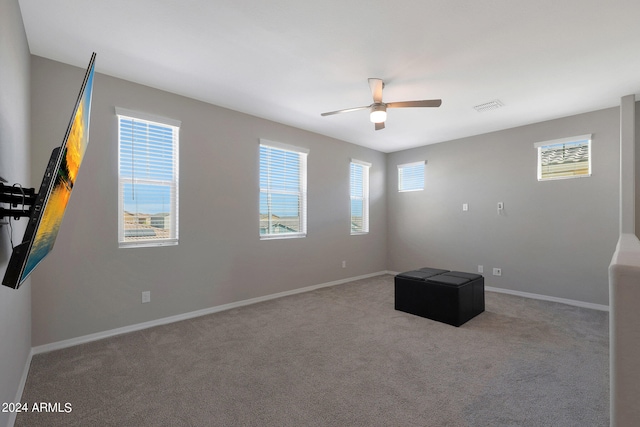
{"x": 23, "y": 381}
{"x": 139, "y": 326}
{"x": 576, "y": 303}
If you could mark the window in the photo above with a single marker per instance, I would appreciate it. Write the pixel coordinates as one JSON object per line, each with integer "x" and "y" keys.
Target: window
{"x": 283, "y": 190}
{"x": 564, "y": 158}
{"x": 147, "y": 180}
{"x": 359, "y": 184}
{"x": 411, "y": 176}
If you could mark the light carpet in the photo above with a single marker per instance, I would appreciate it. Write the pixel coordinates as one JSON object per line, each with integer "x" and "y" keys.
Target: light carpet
{"x": 337, "y": 356}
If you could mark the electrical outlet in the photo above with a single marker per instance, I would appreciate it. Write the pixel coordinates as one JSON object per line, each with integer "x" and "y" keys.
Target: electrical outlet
{"x": 344, "y": 264}
{"x": 497, "y": 272}
{"x": 146, "y": 296}
{"x": 465, "y": 207}
{"x": 480, "y": 269}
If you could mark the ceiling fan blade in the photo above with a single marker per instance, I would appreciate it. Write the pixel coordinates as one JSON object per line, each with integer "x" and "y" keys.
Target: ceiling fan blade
{"x": 407, "y": 104}
{"x": 376, "y": 86}
{"x": 379, "y": 125}
{"x": 347, "y": 110}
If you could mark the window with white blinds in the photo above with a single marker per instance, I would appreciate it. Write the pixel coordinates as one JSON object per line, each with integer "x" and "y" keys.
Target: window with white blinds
{"x": 147, "y": 179}
{"x": 411, "y": 176}
{"x": 359, "y": 189}
{"x": 283, "y": 190}
{"x": 564, "y": 158}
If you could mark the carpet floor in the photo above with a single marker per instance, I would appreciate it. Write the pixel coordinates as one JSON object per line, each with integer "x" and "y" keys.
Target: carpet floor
{"x": 337, "y": 356}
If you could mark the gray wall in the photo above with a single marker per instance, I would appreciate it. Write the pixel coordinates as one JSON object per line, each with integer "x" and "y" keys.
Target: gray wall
{"x": 88, "y": 285}
{"x": 554, "y": 238}
{"x": 15, "y": 308}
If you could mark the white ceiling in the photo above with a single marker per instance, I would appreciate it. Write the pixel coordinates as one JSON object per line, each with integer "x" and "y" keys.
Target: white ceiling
{"x": 290, "y": 60}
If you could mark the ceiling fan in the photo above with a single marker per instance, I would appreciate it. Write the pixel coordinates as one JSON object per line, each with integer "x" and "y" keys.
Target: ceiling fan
{"x": 379, "y": 109}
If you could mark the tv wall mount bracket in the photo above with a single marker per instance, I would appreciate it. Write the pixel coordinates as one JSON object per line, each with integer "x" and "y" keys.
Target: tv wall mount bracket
{"x": 15, "y": 196}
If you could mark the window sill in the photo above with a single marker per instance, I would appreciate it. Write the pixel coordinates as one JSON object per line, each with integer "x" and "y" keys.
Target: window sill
{"x": 282, "y": 236}
{"x": 558, "y": 178}
{"x": 147, "y": 244}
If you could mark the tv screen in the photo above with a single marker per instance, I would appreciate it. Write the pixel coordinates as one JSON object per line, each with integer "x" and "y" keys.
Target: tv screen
{"x": 57, "y": 183}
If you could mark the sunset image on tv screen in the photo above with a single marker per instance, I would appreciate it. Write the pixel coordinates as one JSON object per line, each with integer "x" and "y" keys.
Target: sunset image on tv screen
{"x": 73, "y": 152}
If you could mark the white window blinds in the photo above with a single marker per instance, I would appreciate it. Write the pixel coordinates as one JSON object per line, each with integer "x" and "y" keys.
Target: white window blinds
{"x": 411, "y": 176}
{"x": 564, "y": 158}
{"x": 359, "y": 189}
{"x": 148, "y": 180}
{"x": 283, "y": 190}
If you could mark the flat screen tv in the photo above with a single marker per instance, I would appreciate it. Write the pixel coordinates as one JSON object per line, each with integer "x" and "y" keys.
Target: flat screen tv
{"x": 52, "y": 198}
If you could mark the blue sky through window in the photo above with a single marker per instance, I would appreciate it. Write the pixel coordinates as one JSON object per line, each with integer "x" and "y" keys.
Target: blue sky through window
{"x": 411, "y": 176}
{"x": 147, "y": 198}
{"x": 357, "y": 189}
{"x": 146, "y": 154}
{"x": 280, "y": 189}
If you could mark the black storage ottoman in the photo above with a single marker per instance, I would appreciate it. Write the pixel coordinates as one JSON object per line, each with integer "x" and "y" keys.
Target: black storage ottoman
{"x": 451, "y": 297}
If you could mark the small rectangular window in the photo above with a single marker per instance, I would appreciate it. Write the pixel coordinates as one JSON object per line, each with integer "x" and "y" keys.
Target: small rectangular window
{"x": 147, "y": 180}
{"x": 359, "y": 189}
{"x": 564, "y": 158}
{"x": 283, "y": 190}
{"x": 411, "y": 176}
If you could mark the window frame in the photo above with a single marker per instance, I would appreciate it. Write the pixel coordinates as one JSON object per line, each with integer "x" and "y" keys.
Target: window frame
{"x": 301, "y": 192}
{"x": 364, "y": 198}
{"x": 403, "y": 167}
{"x": 173, "y": 239}
{"x": 573, "y": 140}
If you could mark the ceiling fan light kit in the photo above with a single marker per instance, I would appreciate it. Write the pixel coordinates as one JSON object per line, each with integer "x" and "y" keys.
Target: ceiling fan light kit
{"x": 378, "y": 113}
{"x": 378, "y": 110}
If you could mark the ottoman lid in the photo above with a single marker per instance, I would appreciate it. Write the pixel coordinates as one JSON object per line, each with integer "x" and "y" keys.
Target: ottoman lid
{"x": 448, "y": 280}
{"x": 470, "y": 276}
{"x": 416, "y": 274}
{"x": 433, "y": 271}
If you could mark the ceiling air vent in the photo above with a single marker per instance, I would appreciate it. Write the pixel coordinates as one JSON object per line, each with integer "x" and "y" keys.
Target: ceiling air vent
{"x": 487, "y": 106}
